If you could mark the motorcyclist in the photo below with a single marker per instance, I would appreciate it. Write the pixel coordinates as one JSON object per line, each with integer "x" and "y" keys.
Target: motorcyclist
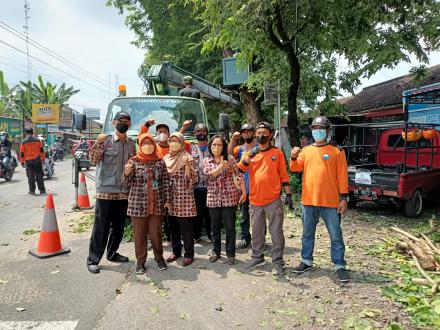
{"x": 58, "y": 148}
{"x": 47, "y": 154}
{"x": 6, "y": 145}
{"x": 83, "y": 145}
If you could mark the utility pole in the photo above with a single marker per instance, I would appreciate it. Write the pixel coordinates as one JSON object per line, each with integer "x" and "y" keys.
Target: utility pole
{"x": 26, "y": 31}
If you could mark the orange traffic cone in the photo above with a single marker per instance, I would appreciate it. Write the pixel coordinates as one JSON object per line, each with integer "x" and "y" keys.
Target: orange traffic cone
{"x": 83, "y": 195}
{"x": 49, "y": 243}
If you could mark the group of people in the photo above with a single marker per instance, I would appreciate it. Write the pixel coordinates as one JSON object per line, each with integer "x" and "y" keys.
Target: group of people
{"x": 189, "y": 186}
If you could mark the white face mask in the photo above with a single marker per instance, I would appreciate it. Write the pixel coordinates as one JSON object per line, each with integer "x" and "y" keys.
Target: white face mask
{"x": 175, "y": 146}
{"x": 162, "y": 137}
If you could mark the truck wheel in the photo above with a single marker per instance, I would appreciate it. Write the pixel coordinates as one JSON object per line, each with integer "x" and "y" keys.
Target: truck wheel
{"x": 414, "y": 206}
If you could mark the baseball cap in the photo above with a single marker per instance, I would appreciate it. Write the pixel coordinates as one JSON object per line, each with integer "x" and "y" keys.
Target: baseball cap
{"x": 265, "y": 124}
{"x": 200, "y": 127}
{"x": 122, "y": 114}
{"x": 247, "y": 127}
{"x": 321, "y": 121}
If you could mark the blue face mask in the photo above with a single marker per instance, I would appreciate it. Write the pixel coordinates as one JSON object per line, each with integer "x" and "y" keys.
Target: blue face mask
{"x": 319, "y": 134}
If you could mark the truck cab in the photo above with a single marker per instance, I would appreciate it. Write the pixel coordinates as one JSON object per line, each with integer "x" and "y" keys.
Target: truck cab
{"x": 170, "y": 110}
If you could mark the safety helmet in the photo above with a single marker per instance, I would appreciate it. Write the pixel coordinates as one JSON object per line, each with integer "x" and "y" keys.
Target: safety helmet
{"x": 3, "y": 133}
{"x": 248, "y": 127}
{"x": 41, "y": 137}
{"x": 187, "y": 80}
{"x": 321, "y": 121}
{"x": 83, "y": 138}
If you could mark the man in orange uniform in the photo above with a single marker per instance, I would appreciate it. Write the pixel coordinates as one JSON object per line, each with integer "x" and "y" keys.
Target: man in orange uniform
{"x": 32, "y": 153}
{"x": 324, "y": 193}
{"x": 267, "y": 173}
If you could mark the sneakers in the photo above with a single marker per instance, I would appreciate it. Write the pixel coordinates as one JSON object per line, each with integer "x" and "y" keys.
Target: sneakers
{"x": 342, "y": 275}
{"x": 32, "y": 193}
{"x": 118, "y": 258}
{"x": 140, "y": 269}
{"x": 242, "y": 244}
{"x": 256, "y": 262}
{"x": 214, "y": 258}
{"x": 301, "y": 268}
{"x": 231, "y": 261}
{"x": 161, "y": 264}
{"x": 277, "y": 269}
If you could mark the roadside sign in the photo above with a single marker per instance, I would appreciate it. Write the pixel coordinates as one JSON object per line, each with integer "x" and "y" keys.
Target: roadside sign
{"x": 51, "y": 139}
{"x": 53, "y": 128}
{"x": 42, "y": 126}
{"x": 45, "y": 113}
{"x": 92, "y": 113}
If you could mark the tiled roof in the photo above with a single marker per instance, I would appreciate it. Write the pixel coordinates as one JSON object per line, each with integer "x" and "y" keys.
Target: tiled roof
{"x": 387, "y": 94}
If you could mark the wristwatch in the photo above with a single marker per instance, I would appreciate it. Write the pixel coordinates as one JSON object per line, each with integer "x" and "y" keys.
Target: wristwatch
{"x": 342, "y": 197}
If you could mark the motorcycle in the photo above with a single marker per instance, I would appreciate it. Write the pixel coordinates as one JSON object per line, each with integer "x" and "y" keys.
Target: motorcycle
{"x": 58, "y": 154}
{"x": 7, "y": 166}
{"x": 48, "y": 165}
{"x": 83, "y": 155}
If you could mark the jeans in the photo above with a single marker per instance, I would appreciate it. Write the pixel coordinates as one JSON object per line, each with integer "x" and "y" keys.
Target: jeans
{"x": 332, "y": 220}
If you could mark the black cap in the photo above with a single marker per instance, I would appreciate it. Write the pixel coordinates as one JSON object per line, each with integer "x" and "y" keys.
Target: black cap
{"x": 122, "y": 114}
{"x": 29, "y": 130}
{"x": 321, "y": 121}
{"x": 247, "y": 127}
{"x": 200, "y": 127}
{"x": 162, "y": 125}
{"x": 265, "y": 124}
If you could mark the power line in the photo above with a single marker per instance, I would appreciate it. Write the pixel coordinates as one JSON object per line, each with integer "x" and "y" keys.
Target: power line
{"x": 52, "y": 66}
{"x": 51, "y": 53}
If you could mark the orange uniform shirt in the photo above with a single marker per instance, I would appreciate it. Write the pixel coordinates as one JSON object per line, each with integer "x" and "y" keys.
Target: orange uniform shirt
{"x": 325, "y": 175}
{"x": 31, "y": 148}
{"x": 267, "y": 173}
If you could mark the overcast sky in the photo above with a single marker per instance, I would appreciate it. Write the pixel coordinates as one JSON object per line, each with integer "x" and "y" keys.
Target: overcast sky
{"x": 94, "y": 37}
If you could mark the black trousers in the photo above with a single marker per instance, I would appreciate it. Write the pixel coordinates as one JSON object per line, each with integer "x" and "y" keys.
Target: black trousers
{"x": 245, "y": 222}
{"x": 202, "y": 219}
{"x": 182, "y": 228}
{"x": 225, "y": 215}
{"x": 108, "y": 229}
{"x": 166, "y": 229}
{"x": 34, "y": 170}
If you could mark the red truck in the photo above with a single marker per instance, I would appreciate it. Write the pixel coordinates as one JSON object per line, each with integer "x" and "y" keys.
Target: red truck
{"x": 393, "y": 170}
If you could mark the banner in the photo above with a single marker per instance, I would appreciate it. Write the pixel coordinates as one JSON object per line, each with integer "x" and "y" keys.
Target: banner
{"x": 46, "y": 113}
{"x": 10, "y": 125}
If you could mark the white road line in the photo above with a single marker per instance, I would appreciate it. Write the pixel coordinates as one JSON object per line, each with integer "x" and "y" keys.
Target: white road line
{"x": 38, "y": 325}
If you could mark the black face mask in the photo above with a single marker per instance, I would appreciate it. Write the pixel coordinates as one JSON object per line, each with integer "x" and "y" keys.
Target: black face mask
{"x": 201, "y": 137}
{"x": 122, "y": 128}
{"x": 248, "y": 140}
{"x": 262, "y": 139}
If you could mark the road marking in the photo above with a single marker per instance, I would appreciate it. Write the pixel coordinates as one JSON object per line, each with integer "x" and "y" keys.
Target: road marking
{"x": 38, "y": 325}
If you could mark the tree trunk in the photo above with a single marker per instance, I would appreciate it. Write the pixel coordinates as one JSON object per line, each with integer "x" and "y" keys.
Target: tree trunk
{"x": 252, "y": 107}
{"x": 292, "y": 103}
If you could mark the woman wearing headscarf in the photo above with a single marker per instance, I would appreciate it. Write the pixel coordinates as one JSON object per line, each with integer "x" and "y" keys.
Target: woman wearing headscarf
{"x": 182, "y": 175}
{"x": 147, "y": 177}
{"x": 223, "y": 196}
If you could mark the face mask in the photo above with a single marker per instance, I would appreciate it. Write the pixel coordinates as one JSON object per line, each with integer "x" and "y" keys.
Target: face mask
{"x": 216, "y": 151}
{"x": 122, "y": 128}
{"x": 248, "y": 140}
{"x": 201, "y": 137}
{"x": 262, "y": 139}
{"x": 319, "y": 134}
{"x": 162, "y": 137}
{"x": 147, "y": 149}
{"x": 175, "y": 146}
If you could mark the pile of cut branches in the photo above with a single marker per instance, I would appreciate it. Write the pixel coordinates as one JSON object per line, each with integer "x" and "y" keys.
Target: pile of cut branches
{"x": 425, "y": 255}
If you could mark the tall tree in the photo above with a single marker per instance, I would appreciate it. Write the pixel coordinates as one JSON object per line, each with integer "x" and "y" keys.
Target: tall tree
{"x": 305, "y": 42}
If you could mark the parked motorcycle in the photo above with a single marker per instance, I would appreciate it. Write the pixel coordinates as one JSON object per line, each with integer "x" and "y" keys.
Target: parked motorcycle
{"x": 48, "y": 166}
{"x": 7, "y": 166}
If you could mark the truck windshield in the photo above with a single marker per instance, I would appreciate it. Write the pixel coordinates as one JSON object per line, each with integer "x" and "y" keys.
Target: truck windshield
{"x": 172, "y": 111}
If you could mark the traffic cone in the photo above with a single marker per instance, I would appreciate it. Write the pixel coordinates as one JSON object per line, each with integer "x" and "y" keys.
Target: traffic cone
{"x": 83, "y": 195}
{"x": 49, "y": 243}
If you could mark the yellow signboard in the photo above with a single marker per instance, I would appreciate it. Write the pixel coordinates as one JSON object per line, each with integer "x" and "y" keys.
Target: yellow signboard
{"x": 46, "y": 113}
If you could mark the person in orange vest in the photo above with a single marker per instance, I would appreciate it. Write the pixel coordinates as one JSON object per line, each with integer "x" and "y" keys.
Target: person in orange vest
{"x": 267, "y": 176}
{"x": 32, "y": 157}
{"x": 324, "y": 194}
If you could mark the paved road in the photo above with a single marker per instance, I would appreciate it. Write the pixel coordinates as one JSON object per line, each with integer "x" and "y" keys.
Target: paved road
{"x": 20, "y": 211}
